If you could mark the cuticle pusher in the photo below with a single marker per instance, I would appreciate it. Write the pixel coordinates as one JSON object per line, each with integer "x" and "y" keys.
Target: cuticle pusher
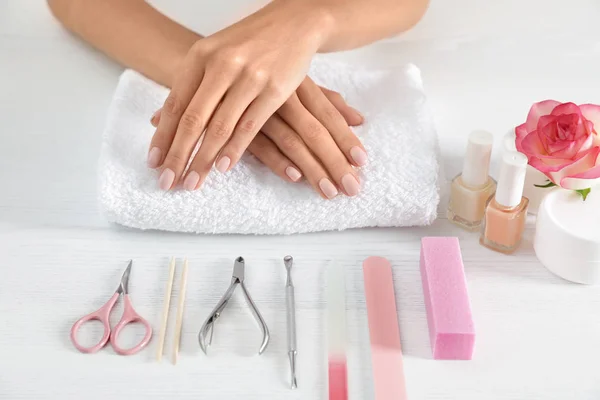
{"x": 291, "y": 319}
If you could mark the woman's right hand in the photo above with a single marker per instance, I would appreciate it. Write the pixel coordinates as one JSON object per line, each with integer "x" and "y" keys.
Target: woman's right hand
{"x": 310, "y": 136}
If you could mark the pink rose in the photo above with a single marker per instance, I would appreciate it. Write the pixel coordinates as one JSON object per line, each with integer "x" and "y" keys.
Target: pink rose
{"x": 562, "y": 141}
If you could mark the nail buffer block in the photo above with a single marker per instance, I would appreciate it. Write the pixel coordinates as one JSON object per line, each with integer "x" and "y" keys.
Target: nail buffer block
{"x": 386, "y": 352}
{"x": 451, "y": 327}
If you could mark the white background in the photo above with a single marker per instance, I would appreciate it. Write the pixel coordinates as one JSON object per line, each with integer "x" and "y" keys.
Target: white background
{"x": 483, "y": 62}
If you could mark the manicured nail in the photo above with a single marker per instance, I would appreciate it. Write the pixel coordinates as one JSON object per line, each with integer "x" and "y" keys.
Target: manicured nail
{"x": 166, "y": 179}
{"x": 223, "y": 164}
{"x": 293, "y": 173}
{"x": 154, "y": 119}
{"x": 358, "y": 155}
{"x": 191, "y": 180}
{"x": 328, "y": 188}
{"x": 362, "y": 117}
{"x": 154, "y": 157}
{"x": 350, "y": 184}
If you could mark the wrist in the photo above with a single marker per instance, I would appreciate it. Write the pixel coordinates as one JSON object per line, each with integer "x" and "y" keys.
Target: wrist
{"x": 179, "y": 50}
{"x": 311, "y": 19}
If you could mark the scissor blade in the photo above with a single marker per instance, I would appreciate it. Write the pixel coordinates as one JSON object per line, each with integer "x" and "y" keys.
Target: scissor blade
{"x": 124, "y": 286}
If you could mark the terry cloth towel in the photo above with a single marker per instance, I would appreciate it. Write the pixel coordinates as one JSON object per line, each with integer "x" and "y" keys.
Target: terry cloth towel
{"x": 399, "y": 183}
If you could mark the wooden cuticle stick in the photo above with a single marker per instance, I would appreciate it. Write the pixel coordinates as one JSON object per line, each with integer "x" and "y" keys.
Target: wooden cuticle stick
{"x": 180, "y": 308}
{"x": 165, "y": 313}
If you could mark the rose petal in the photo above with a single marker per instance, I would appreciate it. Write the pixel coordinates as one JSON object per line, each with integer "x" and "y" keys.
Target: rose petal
{"x": 591, "y": 179}
{"x": 586, "y": 143}
{"x": 570, "y": 148}
{"x": 554, "y": 164}
{"x": 567, "y": 108}
{"x": 547, "y": 130}
{"x": 588, "y": 128}
{"x": 531, "y": 145}
{"x": 576, "y": 167}
{"x": 583, "y": 180}
{"x": 591, "y": 112}
{"x": 561, "y": 147}
{"x": 520, "y": 133}
{"x": 537, "y": 110}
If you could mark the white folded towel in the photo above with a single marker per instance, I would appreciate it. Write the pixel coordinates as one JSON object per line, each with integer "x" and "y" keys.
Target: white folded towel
{"x": 399, "y": 183}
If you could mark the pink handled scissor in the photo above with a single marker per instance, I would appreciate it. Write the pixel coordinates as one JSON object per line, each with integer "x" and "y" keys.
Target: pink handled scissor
{"x": 103, "y": 315}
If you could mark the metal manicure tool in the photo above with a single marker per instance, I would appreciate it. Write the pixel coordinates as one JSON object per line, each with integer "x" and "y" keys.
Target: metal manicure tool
{"x": 208, "y": 327}
{"x": 291, "y": 318}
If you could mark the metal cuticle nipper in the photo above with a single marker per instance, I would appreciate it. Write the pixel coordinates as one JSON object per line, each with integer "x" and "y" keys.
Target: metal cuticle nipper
{"x": 208, "y": 327}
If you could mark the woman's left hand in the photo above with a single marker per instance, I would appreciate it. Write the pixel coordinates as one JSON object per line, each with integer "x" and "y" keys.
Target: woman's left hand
{"x": 277, "y": 144}
{"x": 229, "y": 84}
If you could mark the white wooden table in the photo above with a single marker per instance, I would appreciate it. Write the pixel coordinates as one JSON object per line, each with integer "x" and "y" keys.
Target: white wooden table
{"x": 484, "y": 63}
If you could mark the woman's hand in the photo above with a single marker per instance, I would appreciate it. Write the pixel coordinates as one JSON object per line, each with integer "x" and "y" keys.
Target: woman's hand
{"x": 227, "y": 87}
{"x": 284, "y": 151}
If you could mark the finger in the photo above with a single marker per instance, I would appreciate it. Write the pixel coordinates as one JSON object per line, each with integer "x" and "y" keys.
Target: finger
{"x": 352, "y": 116}
{"x": 183, "y": 90}
{"x": 265, "y": 150}
{"x": 320, "y": 142}
{"x": 192, "y": 125}
{"x": 219, "y": 131}
{"x": 320, "y": 107}
{"x": 249, "y": 124}
{"x": 292, "y": 146}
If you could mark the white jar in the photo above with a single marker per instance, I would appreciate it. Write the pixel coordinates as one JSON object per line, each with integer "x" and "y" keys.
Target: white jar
{"x": 567, "y": 235}
{"x": 533, "y": 177}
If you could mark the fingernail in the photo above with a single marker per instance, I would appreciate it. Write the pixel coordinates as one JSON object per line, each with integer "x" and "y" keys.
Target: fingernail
{"x": 154, "y": 118}
{"x": 223, "y": 164}
{"x": 166, "y": 179}
{"x": 362, "y": 117}
{"x": 350, "y": 184}
{"x": 328, "y": 188}
{"x": 154, "y": 157}
{"x": 293, "y": 173}
{"x": 191, "y": 180}
{"x": 358, "y": 155}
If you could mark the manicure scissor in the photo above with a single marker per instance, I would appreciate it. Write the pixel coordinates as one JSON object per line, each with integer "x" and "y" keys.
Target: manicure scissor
{"x": 103, "y": 315}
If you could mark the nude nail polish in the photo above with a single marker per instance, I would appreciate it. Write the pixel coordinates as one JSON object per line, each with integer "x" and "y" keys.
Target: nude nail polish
{"x": 165, "y": 181}
{"x": 350, "y": 184}
{"x": 154, "y": 156}
{"x": 470, "y": 190}
{"x": 293, "y": 174}
{"x": 358, "y": 155}
{"x": 506, "y": 212}
{"x": 191, "y": 180}
{"x": 223, "y": 164}
{"x": 154, "y": 118}
{"x": 328, "y": 188}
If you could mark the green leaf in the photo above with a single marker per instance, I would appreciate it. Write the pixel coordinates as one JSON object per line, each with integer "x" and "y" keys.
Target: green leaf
{"x": 547, "y": 185}
{"x": 584, "y": 193}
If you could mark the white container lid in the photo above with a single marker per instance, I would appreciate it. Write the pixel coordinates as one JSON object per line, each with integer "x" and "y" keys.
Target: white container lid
{"x": 567, "y": 237}
{"x": 476, "y": 164}
{"x": 512, "y": 179}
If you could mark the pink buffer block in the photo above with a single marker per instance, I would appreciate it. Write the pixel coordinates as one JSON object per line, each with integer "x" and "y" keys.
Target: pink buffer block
{"x": 449, "y": 315}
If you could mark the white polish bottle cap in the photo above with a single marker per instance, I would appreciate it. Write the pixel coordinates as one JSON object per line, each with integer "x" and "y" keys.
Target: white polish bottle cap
{"x": 512, "y": 179}
{"x": 477, "y": 160}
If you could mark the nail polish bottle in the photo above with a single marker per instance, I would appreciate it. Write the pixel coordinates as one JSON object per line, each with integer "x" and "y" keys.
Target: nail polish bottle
{"x": 506, "y": 211}
{"x": 471, "y": 189}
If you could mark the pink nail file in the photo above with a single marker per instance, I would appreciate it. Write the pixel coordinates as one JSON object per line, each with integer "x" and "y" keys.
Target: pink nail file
{"x": 386, "y": 353}
{"x": 451, "y": 327}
